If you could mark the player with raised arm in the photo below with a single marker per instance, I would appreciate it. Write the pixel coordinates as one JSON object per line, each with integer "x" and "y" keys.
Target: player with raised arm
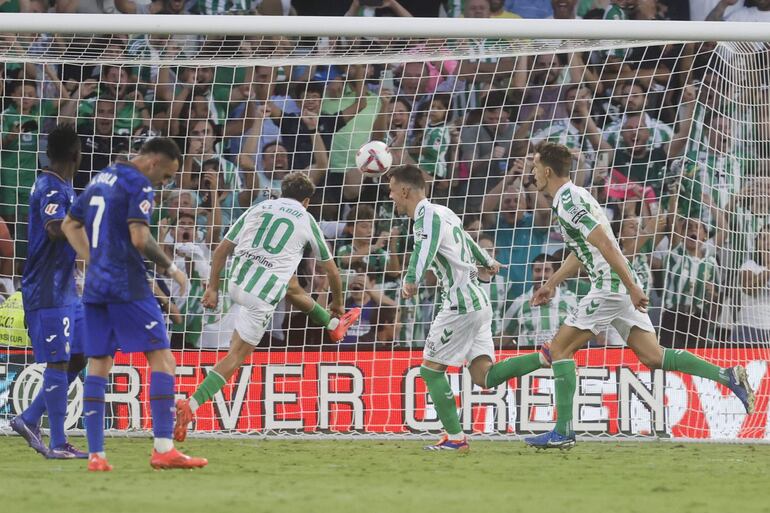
{"x": 52, "y": 308}
{"x": 616, "y": 298}
{"x": 268, "y": 242}
{"x": 461, "y": 333}
{"x": 108, "y": 225}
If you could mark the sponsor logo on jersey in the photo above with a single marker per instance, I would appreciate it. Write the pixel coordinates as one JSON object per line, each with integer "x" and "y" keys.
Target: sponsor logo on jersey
{"x": 51, "y": 209}
{"x": 51, "y": 193}
{"x": 151, "y": 325}
{"x": 147, "y": 189}
{"x": 421, "y": 235}
{"x": 145, "y": 206}
{"x": 579, "y": 215}
{"x": 260, "y": 259}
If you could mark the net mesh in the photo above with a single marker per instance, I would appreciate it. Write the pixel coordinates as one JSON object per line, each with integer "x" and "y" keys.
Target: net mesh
{"x": 671, "y": 138}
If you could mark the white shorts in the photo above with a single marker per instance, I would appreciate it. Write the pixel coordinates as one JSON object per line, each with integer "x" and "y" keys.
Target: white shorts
{"x": 455, "y": 339}
{"x": 600, "y": 309}
{"x": 253, "y": 317}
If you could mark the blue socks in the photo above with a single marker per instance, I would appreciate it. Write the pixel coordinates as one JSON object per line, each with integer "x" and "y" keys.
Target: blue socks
{"x": 36, "y": 408}
{"x": 55, "y": 386}
{"x": 93, "y": 412}
{"x": 162, "y": 404}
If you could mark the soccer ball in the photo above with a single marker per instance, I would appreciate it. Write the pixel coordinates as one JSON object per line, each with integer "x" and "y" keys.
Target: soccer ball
{"x": 374, "y": 158}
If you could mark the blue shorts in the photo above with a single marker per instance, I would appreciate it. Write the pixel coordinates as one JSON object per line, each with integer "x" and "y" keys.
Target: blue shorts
{"x": 132, "y": 327}
{"x": 55, "y": 333}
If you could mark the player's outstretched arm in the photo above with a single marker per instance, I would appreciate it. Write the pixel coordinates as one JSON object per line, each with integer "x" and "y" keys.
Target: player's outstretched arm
{"x": 218, "y": 261}
{"x": 427, "y": 234}
{"x": 611, "y": 253}
{"x": 337, "y": 305}
{"x": 145, "y": 243}
{"x": 77, "y": 237}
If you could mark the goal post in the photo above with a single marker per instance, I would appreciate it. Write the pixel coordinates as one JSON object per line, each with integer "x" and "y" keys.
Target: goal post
{"x": 668, "y": 123}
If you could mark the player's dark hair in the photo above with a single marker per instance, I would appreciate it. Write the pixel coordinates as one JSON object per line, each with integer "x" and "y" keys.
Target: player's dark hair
{"x": 542, "y": 257}
{"x": 63, "y": 144}
{"x": 443, "y": 98}
{"x": 410, "y": 175}
{"x": 302, "y": 90}
{"x": 556, "y": 156}
{"x": 162, "y": 146}
{"x": 297, "y": 187}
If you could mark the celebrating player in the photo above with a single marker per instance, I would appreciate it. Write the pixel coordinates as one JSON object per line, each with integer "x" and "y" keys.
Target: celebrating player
{"x": 268, "y": 240}
{"x": 616, "y": 298}
{"x": 108, "y": 225}
{"x": 52, "y": 308}
{"x": 462, "y": 330}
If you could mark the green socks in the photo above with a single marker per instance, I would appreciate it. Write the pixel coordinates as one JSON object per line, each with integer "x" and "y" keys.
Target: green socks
{"x": 443, "y": 399}
{"x": 565, "y": 381}
{"x": 511, "y": 368}
{"x": 210, "y": 386}
{"x": 684, "y": 361}
{"x": 321, "y": 317}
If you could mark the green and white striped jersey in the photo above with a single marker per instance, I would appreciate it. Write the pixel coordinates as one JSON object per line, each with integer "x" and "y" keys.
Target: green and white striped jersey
{"x": 563, "y": 132}
{"x": 270, "y": 239}
{"x": 435, "y": 143}
{"x": 441, "y": 244}
{"x": 497, "y": 292}
{"x": 533, "y": 325}
{"x": 578, "y": 214}
{"x": 224, "y": 6}
{"x": 640, "y": 263}
{"x": 660, "y": 132}
{"x": 686, "y": 278}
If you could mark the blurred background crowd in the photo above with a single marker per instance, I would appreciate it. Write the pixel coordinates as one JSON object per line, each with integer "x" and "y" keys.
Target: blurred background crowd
{"x": 671, "y": 139}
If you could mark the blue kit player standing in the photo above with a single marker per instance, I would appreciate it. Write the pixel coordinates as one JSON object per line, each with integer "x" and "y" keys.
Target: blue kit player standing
{"x": 109, "y": 228}
{"x": 52, "y": 308}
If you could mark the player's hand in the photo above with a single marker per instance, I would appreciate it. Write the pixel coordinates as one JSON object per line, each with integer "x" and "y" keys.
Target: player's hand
{"x": 210, "y": 298}
{"x": 639, "y": 299}
{"x": 181, "y": 279}
{"x": 408, "y": 290}
{"x": 495, "y": 267}
{"x": 337, "y": 308}
{"x": 543, "y": 295}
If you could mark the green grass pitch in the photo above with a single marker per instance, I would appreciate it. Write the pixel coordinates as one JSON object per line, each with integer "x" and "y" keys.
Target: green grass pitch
{"x": 311, "y": 476}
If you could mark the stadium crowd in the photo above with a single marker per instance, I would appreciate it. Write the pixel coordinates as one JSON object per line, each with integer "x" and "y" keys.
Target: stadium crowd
{"x": 660, "y": 137}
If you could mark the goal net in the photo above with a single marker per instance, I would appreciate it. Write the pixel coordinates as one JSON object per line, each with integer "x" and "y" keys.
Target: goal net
{"x": 670, "y": 136}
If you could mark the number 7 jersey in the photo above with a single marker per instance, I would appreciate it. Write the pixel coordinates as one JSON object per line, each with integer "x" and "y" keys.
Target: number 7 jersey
{"x": 114, "y": 198}
{"x": 270, "y": 240}
{"x": 441, "y": 244}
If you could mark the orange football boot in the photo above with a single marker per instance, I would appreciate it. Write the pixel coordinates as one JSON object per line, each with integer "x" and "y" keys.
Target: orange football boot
{"x": 175, "y": 459}
{"x": 98, "y": 464}
{"x": 346, "y": 321}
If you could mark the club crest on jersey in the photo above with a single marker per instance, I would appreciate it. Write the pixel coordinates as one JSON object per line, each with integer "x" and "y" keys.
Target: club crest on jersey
{"x": 145, "y": 206}
{"x": 421, "y": 235}
{"x": 51, "y": 209}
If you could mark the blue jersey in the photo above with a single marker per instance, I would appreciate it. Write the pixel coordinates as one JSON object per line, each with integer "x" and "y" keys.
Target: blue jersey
{"x": 49, "y": 274}
{"x": 117, "y": 196}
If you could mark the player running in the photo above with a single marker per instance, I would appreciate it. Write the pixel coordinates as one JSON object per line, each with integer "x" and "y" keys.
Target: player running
{"x": 52, "y": 308}
{"x": 616, "y": 298}
{"x": 108, "y": 225}
{"x": 462, "y": 331}
{"x": 268, "y": 240}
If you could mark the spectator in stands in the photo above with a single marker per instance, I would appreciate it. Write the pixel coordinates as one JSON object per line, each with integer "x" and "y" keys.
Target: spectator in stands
{"x": 386, "y": 8}
{"x": 637, "y": 240}
{"x": 6, "y": 261}
{"x": 203, "y": 137}
{"x": 362, "y": 292}
{"x": 727, "y": 10}
{"x": 494, "y": 286}
{"x": 721, "y": 169}
{"x": 564, "y": 9}
{"x": 632, "y": 97}
{"x": 379, "y": 257}
{"x": 179, "y": 241}
{"x": 690, "y": 298}
{"x": 521, "y": 222}
{"x": 472, "y": 226}
{"x": 531, "y": 326}
{"x": 753, "y": 322}
{"x": 436, "y": 157}
{"x": 497, "y": 10}
{"x": 99, "y": 142}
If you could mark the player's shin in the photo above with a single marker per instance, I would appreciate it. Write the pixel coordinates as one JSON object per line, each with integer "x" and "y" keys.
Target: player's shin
{"x": 684, "y": 361}
{"x": 206, "y": 390}
{"x": 55, "y": 386}
{"x": 565, "y": 382}
{"x": 162, "y": 408}
{"x": 321, "y": 317}
{"x": 443, "y": 399}
{"x": 36, "y": 408}
{"x": 512, "y": 368}
{"x": 94, "y": 389}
